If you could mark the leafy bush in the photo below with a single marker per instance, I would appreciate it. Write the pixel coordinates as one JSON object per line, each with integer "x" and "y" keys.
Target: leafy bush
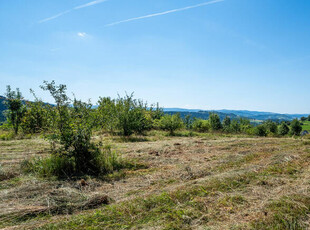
{"x": 261, "y": 131}
{"x": 125, "y": 114}
{"x": 36, "y": 117}
{"x": 188, "y": 122}
{"x": 226, "y": 124}
{"x": 303, "y": 118}
{"x": 235, "y": 126}
{"x": 200, "y": 125}
{"x": 215, "y": 122}
{"x": 156, "y": 112}
{"x": 296, "y": 128}
{"x": 106, "y": 114}
{"x": 251, "y": 131}
{"x": 132, "y": 115}
{"x": 16, "y": 108}
{"x": 170, "y": 123}
{"x": 245, "y": 124}
{"x": 271, "y": 127}
{"x": 55, "y": 165}
{"x": 103, "y": 162}
{"x": 73, "y": 131}
{"x": 284, "y": 129}
{"x": 7, "y": 136}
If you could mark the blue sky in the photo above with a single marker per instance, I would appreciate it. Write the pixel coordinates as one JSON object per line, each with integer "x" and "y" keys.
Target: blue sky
{"x": 231, "y": 54}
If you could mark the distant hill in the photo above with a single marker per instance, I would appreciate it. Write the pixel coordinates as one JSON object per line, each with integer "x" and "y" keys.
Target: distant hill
{"x": 252, "y": 115}
{"x": 201, "y": 114}
{"x": 263, "y": 115}
{"x": 180, "y": 110}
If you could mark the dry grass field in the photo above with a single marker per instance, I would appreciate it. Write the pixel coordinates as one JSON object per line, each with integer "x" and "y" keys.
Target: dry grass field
{"x": 203, "y": 182}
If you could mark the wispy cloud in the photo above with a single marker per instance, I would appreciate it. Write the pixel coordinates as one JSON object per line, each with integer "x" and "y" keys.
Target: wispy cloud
{"x": 82, "y": 34}
{"x": 89, "y": 4}
{"x": 73, "y": 9}
{"x": 165, "y": 12}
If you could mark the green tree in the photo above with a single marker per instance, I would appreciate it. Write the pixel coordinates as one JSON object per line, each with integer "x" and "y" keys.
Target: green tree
{"x": 170, "y": 123}
{"x": 132, "y": 115}
{"x": 107, "y": 114}
{"x": 36, "y": 117}
{"x": 284, "y": 129}
{"x": 235, "y": 126}
{"x": 188, "y": 121}
{"x": 245, "y": 125}
{"x": 261, "y": 130}
{"x": 156, "y": 112}
{"x": 271, "y": 127}
{"x": 215, "y": 122}
{"x": 296, "y": 127}
{"x": 303, "y": 118}
{"x": 200, "y": 125}
{"x": 16, "y": 108}
{"x": 60, "y": 113}
{"x": 226, "y": 123}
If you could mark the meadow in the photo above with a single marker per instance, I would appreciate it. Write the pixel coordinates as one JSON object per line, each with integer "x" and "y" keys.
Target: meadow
{"x": 202, "y": 181}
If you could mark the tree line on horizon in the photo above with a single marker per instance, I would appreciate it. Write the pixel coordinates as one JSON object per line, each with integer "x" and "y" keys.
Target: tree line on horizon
{"x": 123, "y": 116}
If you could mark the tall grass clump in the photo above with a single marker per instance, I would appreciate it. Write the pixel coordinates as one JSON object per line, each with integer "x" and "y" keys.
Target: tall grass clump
{"x": 7, "y": 136}
{"x": 60, "y": 166}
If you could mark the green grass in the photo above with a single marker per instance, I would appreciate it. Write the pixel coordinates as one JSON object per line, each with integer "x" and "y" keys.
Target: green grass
{"x": 173, "y": 210}
{"x": 165, "y": 209}
{"x": 289, "y": 212}
{"x": 306, "y": 125}
{"x": 227, "y": 178}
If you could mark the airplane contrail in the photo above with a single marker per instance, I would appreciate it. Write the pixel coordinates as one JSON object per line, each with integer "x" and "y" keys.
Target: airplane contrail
{"x": 73, "y": 9}
{"x": 165, "y": 12}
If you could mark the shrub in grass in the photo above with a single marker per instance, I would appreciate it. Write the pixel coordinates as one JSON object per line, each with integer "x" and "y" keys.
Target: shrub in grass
{"x": 7, "y": 136}
{"x": 271, "y": 127}
{"x": 64, "y": 166}
{"x": 226, "y": 124}
{"x": 200, "y": 125}
{"x": 36, "y": 117}
{"x": 188, "y": 122}
{"x": 125, "y": 114}
{"x": 284, "y": 129}
{"x": 296, "y": 127}
{"x": 235, "y": 127}
{"x": 215, "y": 122}
{"x": 261, "y": 131}
{"x": 71, "y": 131}
{"x": 170, "y": 123}
{"x": 132, "y": 116}
{"x": 16, "y": 108}
{"x": 55, "y": 165}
